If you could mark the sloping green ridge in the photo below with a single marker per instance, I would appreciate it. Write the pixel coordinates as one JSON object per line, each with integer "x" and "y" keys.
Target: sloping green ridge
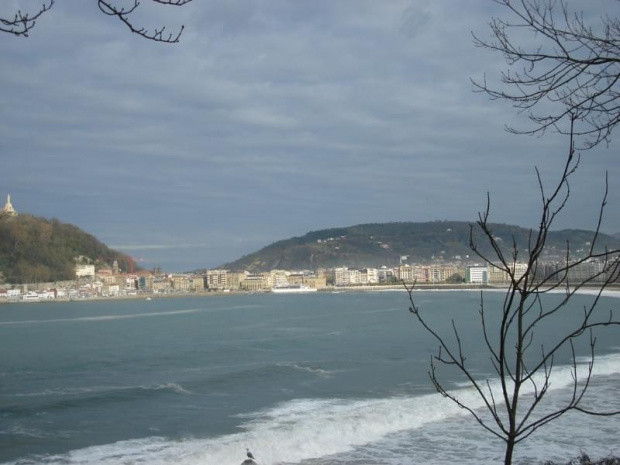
{"x": 34, "y": 249}
{"x": 376, "y": 244}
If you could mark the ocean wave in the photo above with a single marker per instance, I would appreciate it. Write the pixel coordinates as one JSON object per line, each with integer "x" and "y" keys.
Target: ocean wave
{"x": 593, "y": 292}
{"x": 562, "y": 376}
{"x": 25, "y": 432}
{"x": 35, "y": 403}
{"x": 309, "y": 369}
{"x": 303, "y": 429}
{"x": 72, "y": 391}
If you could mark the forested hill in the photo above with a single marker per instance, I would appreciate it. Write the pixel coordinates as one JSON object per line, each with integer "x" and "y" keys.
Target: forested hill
{"x": 371, "y": 245}
{"x": 34, "y": 249}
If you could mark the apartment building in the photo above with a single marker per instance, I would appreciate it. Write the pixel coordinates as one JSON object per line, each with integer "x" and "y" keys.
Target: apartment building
{"x": 404, "y": 273}
{"x": 255, "y": 282}
{"x": 217, "y": 279}
{"x": 477, "y": 275}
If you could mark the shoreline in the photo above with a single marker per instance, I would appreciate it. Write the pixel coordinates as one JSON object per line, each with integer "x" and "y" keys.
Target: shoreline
{"x": 610, "y": 291}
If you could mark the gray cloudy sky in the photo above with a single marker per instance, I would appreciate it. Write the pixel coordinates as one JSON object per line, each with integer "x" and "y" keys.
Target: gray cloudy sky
{"x": 269, "y": 119}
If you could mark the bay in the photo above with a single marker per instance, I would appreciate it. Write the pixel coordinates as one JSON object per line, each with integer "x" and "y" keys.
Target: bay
{"x": 316, "y": 379}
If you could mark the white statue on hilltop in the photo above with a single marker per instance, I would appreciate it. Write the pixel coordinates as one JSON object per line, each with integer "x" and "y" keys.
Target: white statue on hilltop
{"x": 8, "y": 208}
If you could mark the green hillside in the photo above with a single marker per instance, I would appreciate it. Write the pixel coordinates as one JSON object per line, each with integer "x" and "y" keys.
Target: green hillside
{"x": 35, "y": 249}
{"x": 371, "y": 245}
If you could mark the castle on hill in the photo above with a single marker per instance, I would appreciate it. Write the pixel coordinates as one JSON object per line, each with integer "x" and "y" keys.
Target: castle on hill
{"x": 8, "y": 207}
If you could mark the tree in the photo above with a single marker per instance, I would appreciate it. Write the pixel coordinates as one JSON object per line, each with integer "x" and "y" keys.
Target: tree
{"x": 571, "y": 64}
{"x": 22, "y": 23}
{"x": 520, "y": 358}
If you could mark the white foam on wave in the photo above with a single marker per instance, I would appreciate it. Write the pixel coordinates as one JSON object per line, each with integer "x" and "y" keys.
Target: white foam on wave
{"x": 169, "y": 386}
{"x": 25, "y": 432}
{"x": 561, "y": 377}
{"x": 305, "y": 428}
{"x": 309, "y": 369}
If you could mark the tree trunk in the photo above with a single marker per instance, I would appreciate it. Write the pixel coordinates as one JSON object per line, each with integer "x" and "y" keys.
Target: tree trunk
{"x": 510, "y": 445}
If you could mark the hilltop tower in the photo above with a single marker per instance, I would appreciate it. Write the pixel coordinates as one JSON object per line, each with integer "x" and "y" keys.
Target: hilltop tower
{"x": 8, "y": 207}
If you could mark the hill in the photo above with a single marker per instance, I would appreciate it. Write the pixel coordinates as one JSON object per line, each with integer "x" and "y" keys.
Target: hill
{"x": 34, "y": 249}
{"x": 372, "y": 245}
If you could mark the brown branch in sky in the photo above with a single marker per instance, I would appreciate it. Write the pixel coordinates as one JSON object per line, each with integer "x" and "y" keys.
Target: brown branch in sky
{"x": 157, "y": 35}
{"x": 569, "y": 63}
{"x": 22, "y": 23}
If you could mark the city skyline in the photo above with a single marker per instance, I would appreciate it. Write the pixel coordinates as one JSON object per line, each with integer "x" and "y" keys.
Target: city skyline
{"x": 271, "y": 119}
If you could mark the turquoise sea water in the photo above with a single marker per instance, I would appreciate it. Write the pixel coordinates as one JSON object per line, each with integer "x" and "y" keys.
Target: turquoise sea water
{"x": 315, "y": 379}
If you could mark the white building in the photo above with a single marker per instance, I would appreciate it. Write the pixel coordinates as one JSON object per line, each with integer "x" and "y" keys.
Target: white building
{"x": 278, "y": 278}
{"x": 346, "y": 277}
{"x": 477, "y": 275}
{"x": 82, "y": 271}
{"x": 369, "y": 276}
{"x": 405, "y": 273}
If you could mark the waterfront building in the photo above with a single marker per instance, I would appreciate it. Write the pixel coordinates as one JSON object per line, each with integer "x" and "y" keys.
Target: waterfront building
{"x": 318, "y": 282}
{"x": 110, "y": 289}
{"x": 346, "y": 277}
{"x": 341, "y": 276}
{"x": 500, "y": 276}
{"x": 145, "y": 282}
{"x": 278, "y": 278}
{"x": 180, "y": 282}
{"x": 421, "y": 274}
{"x": 255, "y": 282}
{"x": 12, "y": 293}
{"x": 234, "y": 280}
{"x": 453, "y": 273}
{"x": 106, "y": 276}
{"x": 593, "y": 271}
{"x": 217, "y": 279}
{"x": 385, "y": 275}
{"x": 477, "y": 275}
{"x": 196, "y": 283}
{"x": 161, "y": 284}
{"x": 296, "y": 279}
{"x": 437, "y": 273}
{"x": 299, "y": 279}
{"x": 405, "y": 273}
{"x": 369, "y": 276}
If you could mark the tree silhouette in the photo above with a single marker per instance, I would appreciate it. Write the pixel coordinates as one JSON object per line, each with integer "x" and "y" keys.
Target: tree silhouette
{"x": 569, "y": 63}
{"x": 522, "y": 360}
{"x": 23, "y": 22}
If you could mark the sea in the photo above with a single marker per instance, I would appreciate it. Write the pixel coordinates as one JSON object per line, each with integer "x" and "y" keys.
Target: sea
{"x": 313, "y": 379}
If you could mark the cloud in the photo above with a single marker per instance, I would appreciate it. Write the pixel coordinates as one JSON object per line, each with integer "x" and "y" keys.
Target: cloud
{"x": 269, "y": 119}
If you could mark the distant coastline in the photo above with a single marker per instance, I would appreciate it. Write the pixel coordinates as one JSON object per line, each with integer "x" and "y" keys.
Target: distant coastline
{"x": 610, "y": 291}
{"x": 221, "y": 293}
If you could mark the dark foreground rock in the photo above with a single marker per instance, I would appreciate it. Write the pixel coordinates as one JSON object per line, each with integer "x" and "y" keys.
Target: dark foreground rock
{"x": 584, "y": 459}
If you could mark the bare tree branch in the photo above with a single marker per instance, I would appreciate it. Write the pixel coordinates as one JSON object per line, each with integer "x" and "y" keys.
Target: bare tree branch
{"x": 157, "y": 35}
{"x": 22, "y": 23}
{"x": 574, "y": 66}
{"x": 521, "y": 411}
